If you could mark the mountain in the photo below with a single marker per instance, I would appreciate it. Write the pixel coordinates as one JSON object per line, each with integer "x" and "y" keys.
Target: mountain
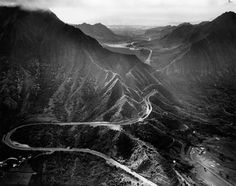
{"x": 209, "y": 47}
{"x": 129, "y": 31}
{"x": 72, "y": 112}
{"x": 53, "y": 72}
{"x": 179, "y": 34}
{"x": 159, "y": 32}
{"x": 51, "y": 67}
{"x": 99, "y": 32}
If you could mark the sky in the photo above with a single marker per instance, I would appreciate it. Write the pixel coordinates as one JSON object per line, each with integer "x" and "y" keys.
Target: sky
{"x": 131, "y": 12}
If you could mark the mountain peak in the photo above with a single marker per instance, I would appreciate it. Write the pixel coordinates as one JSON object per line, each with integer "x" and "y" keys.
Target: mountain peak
{"x": 185, "y": 24}
{"x": 99, "y": 24}
{"x": 98, "y": 31}
{"x": 229, "y": 13}
{"x": 226, "y": 17}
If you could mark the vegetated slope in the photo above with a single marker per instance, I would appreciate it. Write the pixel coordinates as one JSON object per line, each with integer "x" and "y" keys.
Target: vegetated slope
{"x": 210, "y": 46}
{"x": 159, "y": 32}
{"x": 99, "y": 32}
{"x": 201, "y": 49}
{"x": 51, "y": 68}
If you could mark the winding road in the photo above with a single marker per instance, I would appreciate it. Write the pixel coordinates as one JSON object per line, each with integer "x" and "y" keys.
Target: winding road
{"x": 113, "y": 125}
{"x": 148, "y": 60}
{"x": 132, "y": 47}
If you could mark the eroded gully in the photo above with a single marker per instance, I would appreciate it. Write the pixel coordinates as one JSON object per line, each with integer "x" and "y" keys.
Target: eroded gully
{"x": 112, "y": 125}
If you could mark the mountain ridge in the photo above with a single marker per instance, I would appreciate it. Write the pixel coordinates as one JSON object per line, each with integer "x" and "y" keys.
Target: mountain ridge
{"x": 65, "y": 73}
{"x": 99, "y": 32}
{"x": 207, "y": 47}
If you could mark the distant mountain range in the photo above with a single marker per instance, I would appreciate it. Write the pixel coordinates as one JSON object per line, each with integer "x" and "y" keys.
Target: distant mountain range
{"x": 208, "y": 47}
{"x": 53, "y": 72}
{"x": 52, "y": 68}
{"x": 159, "y": 32}
{"x": 100, "y": 32}
{"x": 130, "y": 31}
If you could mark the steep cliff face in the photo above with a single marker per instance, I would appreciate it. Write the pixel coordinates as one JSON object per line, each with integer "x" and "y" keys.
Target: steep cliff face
{"x": 210, "y": 47}
{"x": 51, "y": 68}
{"x": 52, "y": 72}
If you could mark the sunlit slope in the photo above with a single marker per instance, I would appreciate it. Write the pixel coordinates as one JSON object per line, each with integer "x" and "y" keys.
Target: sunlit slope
{"x": 51, "y": 68}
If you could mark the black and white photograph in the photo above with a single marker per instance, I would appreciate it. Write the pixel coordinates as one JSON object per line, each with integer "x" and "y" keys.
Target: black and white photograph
{"x": 117, "y": 92}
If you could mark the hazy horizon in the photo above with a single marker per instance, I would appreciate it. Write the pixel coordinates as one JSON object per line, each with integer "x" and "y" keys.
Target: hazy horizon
{"x": 131, "y": 12}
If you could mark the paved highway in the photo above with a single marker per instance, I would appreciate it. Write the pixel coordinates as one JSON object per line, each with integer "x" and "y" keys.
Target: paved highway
{"x": 15, "y": 145}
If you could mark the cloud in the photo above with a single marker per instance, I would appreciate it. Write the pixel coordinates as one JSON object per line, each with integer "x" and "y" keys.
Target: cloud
{"x": 148, "y": 12}
{"x": 40, "y": 3}
{"x": 125, "y": 4}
